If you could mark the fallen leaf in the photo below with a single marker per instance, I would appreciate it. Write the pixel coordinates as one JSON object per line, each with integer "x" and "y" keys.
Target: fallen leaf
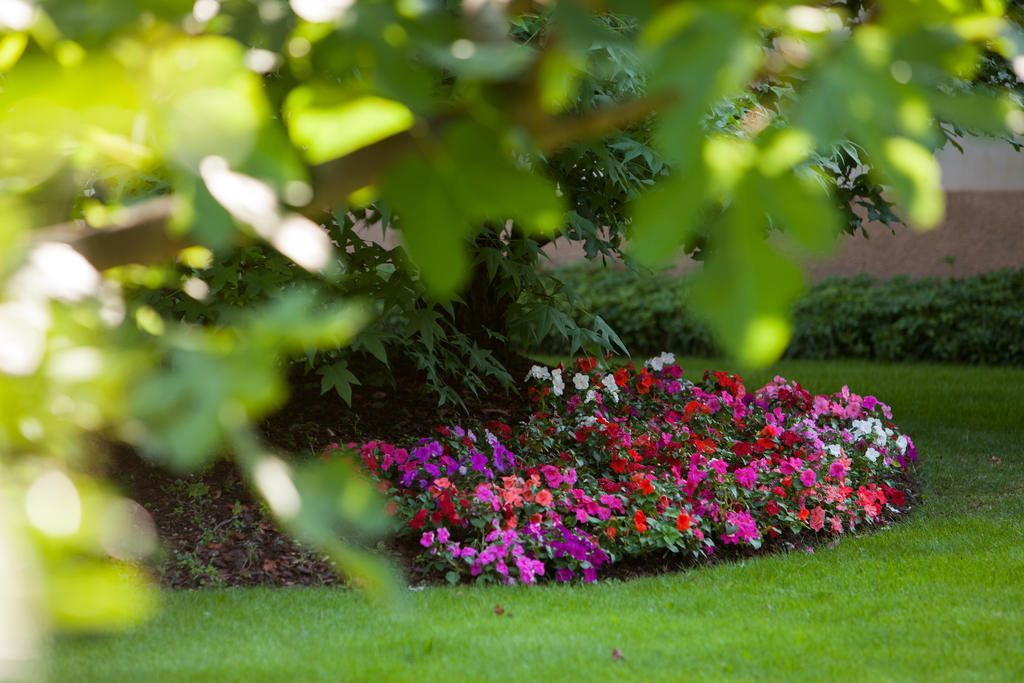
{"x": 616, "y": 654}
{"x": 995, "y": 460}
{"x": 498, "y": 609}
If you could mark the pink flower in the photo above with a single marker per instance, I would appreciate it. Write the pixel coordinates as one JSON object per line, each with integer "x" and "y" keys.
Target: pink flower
{"x": 443, "y": 535}
{"x": 746, "y": 477}
{"x": 746, "y": 527}
{"x": 552, "y": 474}
{"x": 817, "y": 518}
{"x": 427, "y": 539}
{"x": 807, "y": 477}
{"x": 790, "y": 465}
{"x": 837, "y": 470}
{"x": 718, "y": 465}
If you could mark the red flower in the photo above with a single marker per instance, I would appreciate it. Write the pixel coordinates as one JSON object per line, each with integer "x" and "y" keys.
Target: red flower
{"x": 640, "y": 520}
{"x": 618, "y": 465}
{"x": 771, "y": 509}
{"x": 621, "y": 377}
{"x": 418, "y": 520}
{"x": 803, "y": 514}
{"x": 587, "y": 364}
{"x": 610, "y": 533}
{"x": 644, "y": 483}
{"x": 544, "y": 498}
{"x": 645, "y": 382}
{"x": 683, "y": 521}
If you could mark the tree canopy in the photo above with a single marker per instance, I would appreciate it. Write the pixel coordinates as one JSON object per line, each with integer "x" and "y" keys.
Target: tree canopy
{"x": 138, "y": 134}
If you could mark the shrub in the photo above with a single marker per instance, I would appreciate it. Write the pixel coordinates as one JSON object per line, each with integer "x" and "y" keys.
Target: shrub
{"x": 629, "y": 463}
{"x": 976, "y": 320}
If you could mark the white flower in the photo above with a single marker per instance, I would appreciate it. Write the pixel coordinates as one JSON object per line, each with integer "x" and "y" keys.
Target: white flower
{"x": 591, "y": 395}
{"x": 580, "y": 381}
{"x": 871, "y": 454}
{"x": 901, "y": 443}
{"x": 661, "y": 361}
{"x": 557, "y": 383}
{"x": 539, "y": 372}
{"x": 609, "y": 383}
{"x": 835, "y": 450}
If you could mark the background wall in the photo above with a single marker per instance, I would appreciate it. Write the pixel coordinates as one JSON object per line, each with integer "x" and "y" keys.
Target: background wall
{"x": 983, "y": 230}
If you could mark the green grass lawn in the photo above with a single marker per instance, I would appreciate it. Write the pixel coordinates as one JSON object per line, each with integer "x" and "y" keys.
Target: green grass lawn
{"x": 939, "y": 597}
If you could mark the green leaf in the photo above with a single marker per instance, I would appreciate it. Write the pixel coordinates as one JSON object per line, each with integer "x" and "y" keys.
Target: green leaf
{"x": 452, "y": 577}
{"x": 804, "y": 208}
{"x": 491, "y": 188}
{"x": 337, "y": 376}
{"x": 187, "y": 406}
{"x": 665, "y": 217}
{"x": 914, "y": 177}
{"x": 329, "y": 121}
{"x": 745, "y": 290}
{"x": 434, "y": 224}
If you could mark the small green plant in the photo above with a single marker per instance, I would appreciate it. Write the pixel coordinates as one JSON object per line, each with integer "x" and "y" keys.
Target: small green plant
{"x": 200, "y": 571}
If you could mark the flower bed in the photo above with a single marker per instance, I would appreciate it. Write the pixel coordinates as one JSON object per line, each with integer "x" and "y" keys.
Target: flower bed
{"x": 630, "y": 463}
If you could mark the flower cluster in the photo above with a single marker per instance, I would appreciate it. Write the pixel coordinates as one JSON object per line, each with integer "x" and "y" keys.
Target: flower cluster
{"x": 624, "y": 463}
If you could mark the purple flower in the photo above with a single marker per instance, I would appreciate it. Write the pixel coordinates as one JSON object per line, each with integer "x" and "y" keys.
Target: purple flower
{"x": 590, "y": 575}
{"x": 484, "y": 494}
{"x": 477, "y": 460}
{"x": 564, "y": 575}
{"x": 503, "y": 458}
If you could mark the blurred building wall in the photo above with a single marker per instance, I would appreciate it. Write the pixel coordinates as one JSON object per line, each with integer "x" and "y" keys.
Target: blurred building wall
{"x": 983, "y": 229}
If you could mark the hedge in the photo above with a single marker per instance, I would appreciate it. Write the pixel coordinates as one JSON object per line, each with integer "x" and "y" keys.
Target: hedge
{"x": 974, "y": 320}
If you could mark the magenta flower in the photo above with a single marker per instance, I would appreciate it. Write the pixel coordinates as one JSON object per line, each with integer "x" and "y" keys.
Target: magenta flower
{"x": 837, "y": 470}
{"x": 807, "y": 477}
{"x": 746, "y": 527}
{"x": 427, "y": 539}
{"x": 443, "y": 535}
{"x": 746, "y": 477}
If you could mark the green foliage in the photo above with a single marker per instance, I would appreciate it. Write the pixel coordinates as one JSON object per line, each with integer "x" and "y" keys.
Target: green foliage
{"x": 977, "y": 320}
